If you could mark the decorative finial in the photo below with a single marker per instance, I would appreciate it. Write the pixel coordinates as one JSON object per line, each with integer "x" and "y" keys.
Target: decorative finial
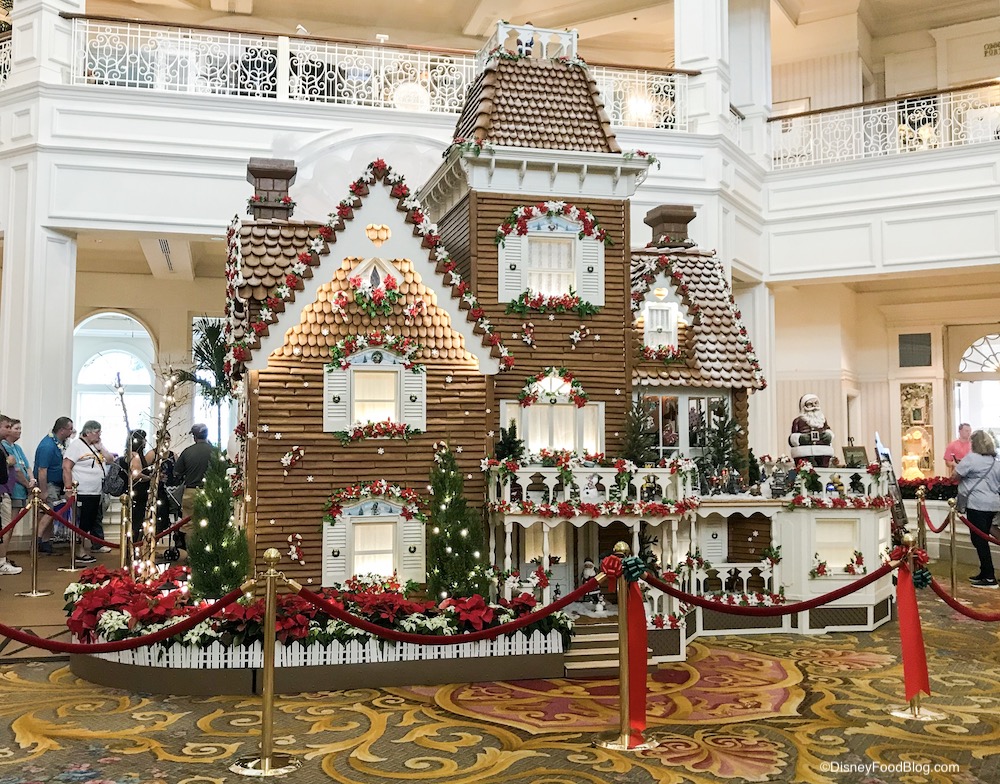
{"x": 622, "y": 549}
{"x": 272, "y": 557}
{"x": 908, "y": 540}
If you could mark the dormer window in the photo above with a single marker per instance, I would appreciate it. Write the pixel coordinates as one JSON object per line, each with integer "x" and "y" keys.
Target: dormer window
{"x": 551, "y": 258}
{"x": 660, "y": 324}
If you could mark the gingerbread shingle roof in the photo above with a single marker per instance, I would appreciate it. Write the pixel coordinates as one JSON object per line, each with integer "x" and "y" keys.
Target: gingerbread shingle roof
{"x": 716, "y": 344}
{"x": 544, "y": 104}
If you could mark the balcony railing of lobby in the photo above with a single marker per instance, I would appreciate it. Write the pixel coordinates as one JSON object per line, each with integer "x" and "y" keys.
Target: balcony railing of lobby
{"x": 4, "y": 58}
{"x": 202, "y": 60}
{"x": 963, "y": 115}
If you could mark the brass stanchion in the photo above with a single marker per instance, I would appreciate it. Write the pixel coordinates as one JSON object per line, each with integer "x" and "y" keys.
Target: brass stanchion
{"x": 921, "y": 522}
{"x": 125, "y": 532}
{"x": 268, "y": 763}
{"x": 953, "y": 523}
{"x": 35, "y": 501}
{"x": 71, "y": 515}
{"x": 913, "y": 710}
{"x": 619, "y": 741}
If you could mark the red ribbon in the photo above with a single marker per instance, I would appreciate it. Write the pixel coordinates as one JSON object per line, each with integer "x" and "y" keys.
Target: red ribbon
{"x": 915, "y": 678}
{"x": 613, "y": 568}
{"x": 636, "y": 663}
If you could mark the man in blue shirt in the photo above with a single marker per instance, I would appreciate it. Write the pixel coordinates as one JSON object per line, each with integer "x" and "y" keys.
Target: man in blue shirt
{"x": 49, "y": 474}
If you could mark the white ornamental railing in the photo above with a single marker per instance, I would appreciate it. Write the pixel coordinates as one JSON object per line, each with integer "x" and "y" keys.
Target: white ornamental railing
{"x": 528, "y": 41}
{"x": 216, "y": 62}
{"x": 5, "y": 48}
{"x": 952, "y": 118}
{"x": 217, "y": 656}
{"x": 588, "y": 485}
{"x": 726, "y": 578}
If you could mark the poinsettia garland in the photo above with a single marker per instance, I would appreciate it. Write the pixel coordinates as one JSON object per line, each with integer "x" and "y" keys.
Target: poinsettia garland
{"x": 530, "y": 393}
{"x": 431, "y": 239}
{"x": 668, "y": 355}
{"x": 404, "y": 347}
{"x": 569, "y": 509}
{"x": 642, "y": 155}
{"x": 857, "y": 564}
{"x": 500, "y": 52}
{"x": 558, "y": 303}
{"x": 820, "y": 569}
{"x": 361, "y": 432}
{"x": 850, "y": 502}
{"x": 652, "y": 265}
{"x": 517, "y": 221}
{"x": 476, "y": 146}
{"x": 404, "y": 497}
{"x": 257, "y": 201}
{"x": 375, "y": 300}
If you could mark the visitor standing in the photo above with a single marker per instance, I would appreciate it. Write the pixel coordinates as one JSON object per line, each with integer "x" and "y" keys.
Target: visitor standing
{"x": 191, "y": 467}
{"x": 959, "y": 448}
{"x": 140, "y": 460}
{"x": 84, "y": 464}
{"x": 8, "y": 478}
{"x": 49, "y": 475}
{"x": 979, "y": 482}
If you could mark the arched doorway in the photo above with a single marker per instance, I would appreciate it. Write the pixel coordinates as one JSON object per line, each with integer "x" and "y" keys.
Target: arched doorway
{"x": 977, "y": 388}
{"x": 111, "y": 349}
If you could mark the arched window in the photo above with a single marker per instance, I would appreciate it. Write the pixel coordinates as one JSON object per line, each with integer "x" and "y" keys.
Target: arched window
{"x": 109, "y": 350}
{"x": 983, "y": 356}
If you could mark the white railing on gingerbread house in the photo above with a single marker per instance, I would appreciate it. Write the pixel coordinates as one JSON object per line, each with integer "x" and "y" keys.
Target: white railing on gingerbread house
{"x": 526, "y": 40}
{"x": 216, "y": 656}
{"x": 846, "y": 482}
{"x": 594, "y": 485}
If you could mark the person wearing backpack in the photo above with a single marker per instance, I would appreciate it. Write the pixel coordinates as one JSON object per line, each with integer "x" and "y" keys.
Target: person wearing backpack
{"x": 84, "y": 463}
{"x": 979, "y": 484}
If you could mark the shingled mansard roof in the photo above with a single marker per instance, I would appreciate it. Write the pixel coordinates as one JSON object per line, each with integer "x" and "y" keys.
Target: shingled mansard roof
{"x": 543, "y": 104}
{"x": 718, "y": 348}
{"x": 270, "y": 262}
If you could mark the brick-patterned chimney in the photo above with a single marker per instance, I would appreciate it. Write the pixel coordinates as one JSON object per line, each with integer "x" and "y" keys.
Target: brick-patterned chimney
{"x": 670, "y": 220}
{"x": 271, "y": 178}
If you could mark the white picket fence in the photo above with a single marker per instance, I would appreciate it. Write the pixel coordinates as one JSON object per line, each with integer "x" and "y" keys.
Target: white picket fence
{"x": 216, "y": 656}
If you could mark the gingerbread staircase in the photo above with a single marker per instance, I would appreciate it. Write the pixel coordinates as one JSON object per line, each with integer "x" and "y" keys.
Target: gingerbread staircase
{"x": 594, "y": 650}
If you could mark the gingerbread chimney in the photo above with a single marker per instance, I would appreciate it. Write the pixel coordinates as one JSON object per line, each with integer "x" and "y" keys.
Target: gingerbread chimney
{"x": 271, "y": 178}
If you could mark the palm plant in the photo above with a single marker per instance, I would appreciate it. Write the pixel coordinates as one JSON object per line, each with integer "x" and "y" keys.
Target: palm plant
{"x": 208, "y": 372}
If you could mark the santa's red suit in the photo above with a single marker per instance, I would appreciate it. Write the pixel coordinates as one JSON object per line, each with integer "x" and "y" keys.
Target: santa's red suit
{"x": 815, "y": 446}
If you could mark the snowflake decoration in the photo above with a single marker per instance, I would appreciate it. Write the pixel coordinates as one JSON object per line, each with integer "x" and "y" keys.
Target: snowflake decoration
{"x": 380, "y": 450}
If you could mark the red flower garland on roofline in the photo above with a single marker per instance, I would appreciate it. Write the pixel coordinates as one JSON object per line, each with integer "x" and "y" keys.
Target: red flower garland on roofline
{"x": 380, "y": 488}
{"x": 530, "y": 393}
{"x": 517, "y": 221}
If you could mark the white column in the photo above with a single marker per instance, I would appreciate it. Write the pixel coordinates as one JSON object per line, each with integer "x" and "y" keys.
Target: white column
{"x": 701, "y": 43}
{"x": 547, "y": 591}
{"x": 750, "y": 60}
{"x": 37, "y": 302}
{"x": 42, "y": 41}
{"x": 756, "y": 303}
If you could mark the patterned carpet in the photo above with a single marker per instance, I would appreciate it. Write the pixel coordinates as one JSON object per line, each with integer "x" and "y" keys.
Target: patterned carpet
{"x": 775, "y": 708}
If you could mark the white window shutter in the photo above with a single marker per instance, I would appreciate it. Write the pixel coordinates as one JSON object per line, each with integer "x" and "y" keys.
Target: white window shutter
{"x": 415, "y": 399}
{"x": 661, "y": 324}
{"x": 335, "y": 552}
{"x": 591, "y": 272}
{"x": 411, "y": 552}
{"x": 511, "y": 272}
{"x": 336, "y": 400}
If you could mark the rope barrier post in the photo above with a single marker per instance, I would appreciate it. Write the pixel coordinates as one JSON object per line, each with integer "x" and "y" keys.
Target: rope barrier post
{"x": 70, "y": 515}
{"x": 125, "y": 532}
{"x": 268, "y": 763}
{"x": 624, "y": 739}
{"x": 953, "y": 523}
{"x": 36, "y": 499}
{"x": 921, "y": 514}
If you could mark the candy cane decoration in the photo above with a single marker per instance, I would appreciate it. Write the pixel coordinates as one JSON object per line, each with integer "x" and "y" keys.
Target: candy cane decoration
{"x": 295, "y": 549}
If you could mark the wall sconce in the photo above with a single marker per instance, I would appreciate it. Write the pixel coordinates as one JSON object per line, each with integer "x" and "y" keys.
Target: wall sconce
{"x": 377, "y": 233}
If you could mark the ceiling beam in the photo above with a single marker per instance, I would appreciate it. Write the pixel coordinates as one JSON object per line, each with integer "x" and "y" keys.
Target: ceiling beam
{"x": 625, "y": 21}
{"x": 484, "y": 15}
{"x": 168, "y": 259}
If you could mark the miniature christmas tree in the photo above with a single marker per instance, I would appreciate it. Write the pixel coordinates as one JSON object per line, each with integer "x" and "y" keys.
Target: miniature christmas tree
{"x": 720, "y": 453}
{"x": 509, "y": 447}
{"x": 456, "y": 554}
{"x": 639, "y": 436}
{"x": 217, "y": 551}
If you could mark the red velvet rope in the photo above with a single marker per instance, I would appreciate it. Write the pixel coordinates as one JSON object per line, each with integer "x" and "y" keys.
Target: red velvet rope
{"x": 450, "y": 639}
{"x": 976, "y": 531}
{"x": 95, "y": 539}
{"x": 175, "y": 527}
{"x": 956, "y": 605}
{"x": 779, "y": 609}
{"x": 15, "y": 521}
{"x": 123, "y": 645}
{"x": 929, "y": 524}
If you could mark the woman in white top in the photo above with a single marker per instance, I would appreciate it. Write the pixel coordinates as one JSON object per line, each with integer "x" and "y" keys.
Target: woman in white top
{"x": 979, "y": 475}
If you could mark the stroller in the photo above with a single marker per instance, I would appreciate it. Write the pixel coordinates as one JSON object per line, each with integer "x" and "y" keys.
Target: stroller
{"x": 169, "y": 500}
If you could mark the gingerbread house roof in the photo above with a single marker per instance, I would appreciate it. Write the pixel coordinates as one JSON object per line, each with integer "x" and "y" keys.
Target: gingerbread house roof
{"x": 716, "y": 344}
{"x": 273, "y": 263}
{"x": 544, "y": 104}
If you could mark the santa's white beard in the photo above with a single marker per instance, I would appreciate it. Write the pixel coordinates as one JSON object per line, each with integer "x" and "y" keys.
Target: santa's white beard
{"x": 814, "y": 419}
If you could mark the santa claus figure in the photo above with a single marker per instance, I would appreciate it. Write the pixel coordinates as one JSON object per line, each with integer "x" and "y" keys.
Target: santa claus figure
{"x": 811, "y": 437}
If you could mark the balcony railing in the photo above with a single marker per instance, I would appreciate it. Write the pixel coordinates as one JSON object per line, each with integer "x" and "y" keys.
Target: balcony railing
{"x": 196, "y": 60}
{"x": 4, "y": 60}
{"x": 902, "y": 126}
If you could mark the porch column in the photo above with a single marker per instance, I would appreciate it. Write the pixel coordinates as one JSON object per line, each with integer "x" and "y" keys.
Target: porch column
{"x": 547, "y": 590}
{"x": 701, "y": 43}
{"x": 508, "y": 533}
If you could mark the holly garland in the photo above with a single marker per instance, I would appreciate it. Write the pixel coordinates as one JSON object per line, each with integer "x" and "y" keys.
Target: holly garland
{"x": 380, "y": 488}
{"x": 857, "y": 564}
{"x": 362, "y": 432}
{"x": 568, "y": 510}
{"x": 476, "y": 146}
{"x": 668, "y": 355}
{"x": 431, "y": 239}
{"x": 530, "y": 301}
{"x": 851, "y": 502}
{"x": 404, "y": 347}
{"x": 530, "y": 393}
{"x": 517, "y": 221}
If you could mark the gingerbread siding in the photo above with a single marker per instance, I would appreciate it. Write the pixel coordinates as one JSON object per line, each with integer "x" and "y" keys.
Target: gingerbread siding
{"x": 601, "y": 365}
{"x": 457, "y": 228}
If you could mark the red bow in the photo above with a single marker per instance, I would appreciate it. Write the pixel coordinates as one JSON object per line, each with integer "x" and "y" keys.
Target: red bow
{"x": 612, "y": 566}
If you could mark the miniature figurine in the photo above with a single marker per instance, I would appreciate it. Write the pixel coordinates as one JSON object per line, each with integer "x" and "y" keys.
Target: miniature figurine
{"x": 811, "y": 438}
